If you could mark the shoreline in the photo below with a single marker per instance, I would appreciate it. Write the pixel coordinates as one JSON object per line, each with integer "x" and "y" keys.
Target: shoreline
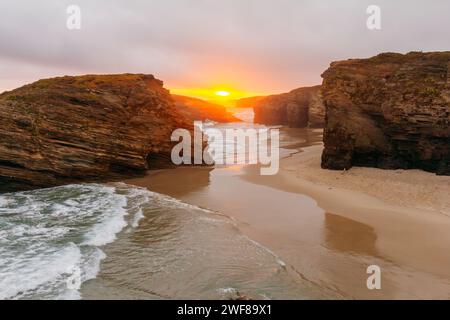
{"x": 397, "y": 222}
{"x": 412, "y": 189}
{"x": 328, "y": 226}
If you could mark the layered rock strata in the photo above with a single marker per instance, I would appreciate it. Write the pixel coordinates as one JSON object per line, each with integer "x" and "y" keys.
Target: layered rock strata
{"x": 94, "y": 127}
{"x": 390, "y": 111}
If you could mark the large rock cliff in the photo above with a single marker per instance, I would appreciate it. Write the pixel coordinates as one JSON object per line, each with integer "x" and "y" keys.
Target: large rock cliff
{"x": 70, "y": 129}
{"x": 389, "y": 111}
{"x": 298, "y": 108}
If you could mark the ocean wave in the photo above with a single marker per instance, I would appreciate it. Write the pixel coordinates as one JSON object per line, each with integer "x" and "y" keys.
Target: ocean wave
{"x": 52, "y": 238}
{"x": 46, "y": 234}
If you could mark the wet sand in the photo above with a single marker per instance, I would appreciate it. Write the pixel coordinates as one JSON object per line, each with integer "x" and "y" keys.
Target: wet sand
{"x": 330, "y": 226}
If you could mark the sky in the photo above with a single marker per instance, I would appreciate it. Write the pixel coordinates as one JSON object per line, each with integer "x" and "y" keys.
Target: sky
{"x": 245, "y": 47}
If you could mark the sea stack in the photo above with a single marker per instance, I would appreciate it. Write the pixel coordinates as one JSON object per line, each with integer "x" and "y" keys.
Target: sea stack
{"x": 70, "y": 129}
{"x": 390, "y": 111}
{"x": 298, "y": 108}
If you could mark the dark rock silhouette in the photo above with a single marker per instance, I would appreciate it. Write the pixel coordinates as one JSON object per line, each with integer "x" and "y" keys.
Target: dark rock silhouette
{"x": 298, "y": 108}
{"x": 197, "y": 109}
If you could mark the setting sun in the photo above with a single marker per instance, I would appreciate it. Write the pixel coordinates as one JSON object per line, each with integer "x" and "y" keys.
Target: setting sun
{"x": 222, "y": 93}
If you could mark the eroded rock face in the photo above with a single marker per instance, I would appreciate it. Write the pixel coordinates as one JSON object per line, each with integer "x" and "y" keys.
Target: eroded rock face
{"x": 70, "y": 129}
{"x": 298, "y": 108}
{"x": 389, "y": 111}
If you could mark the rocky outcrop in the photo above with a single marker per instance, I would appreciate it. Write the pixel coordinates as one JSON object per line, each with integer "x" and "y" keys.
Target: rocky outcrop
{"x": 70, "y": 129}
{"x": 299, "y": 108}
{"x": 389, "y": 111}
{"x": 248, "y": 102}
{"x": 201, "y": 110}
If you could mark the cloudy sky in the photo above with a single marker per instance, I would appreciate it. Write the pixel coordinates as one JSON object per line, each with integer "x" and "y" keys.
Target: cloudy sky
{"x": 256, "y": 46}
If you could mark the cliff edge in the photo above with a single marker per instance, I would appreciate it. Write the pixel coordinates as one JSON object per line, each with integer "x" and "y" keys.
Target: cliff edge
{"x": 389, "y": 111}
{"x": 70, "y": 129}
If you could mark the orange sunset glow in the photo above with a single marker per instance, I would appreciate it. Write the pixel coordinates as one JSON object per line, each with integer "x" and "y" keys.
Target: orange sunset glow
{"x": 221, "y": 94}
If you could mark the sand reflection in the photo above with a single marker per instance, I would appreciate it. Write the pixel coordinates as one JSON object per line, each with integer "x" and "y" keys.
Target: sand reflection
{"x": 347, "y": 235}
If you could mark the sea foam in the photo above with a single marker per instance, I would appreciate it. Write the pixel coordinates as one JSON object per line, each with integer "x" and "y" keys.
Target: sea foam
{"x": 46, "y": 234}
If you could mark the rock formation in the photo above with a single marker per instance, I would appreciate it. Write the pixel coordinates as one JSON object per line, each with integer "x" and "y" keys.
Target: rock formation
{"x": 197, "y": 109}
{"x": 248, "y": 102}
{"x": 70, "y": 129}
{"x": 298, "y": 108}
{"x": 389, "y": 111}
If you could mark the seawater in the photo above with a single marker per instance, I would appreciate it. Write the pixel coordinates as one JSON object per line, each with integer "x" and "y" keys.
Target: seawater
{"x": 128, "y": 242}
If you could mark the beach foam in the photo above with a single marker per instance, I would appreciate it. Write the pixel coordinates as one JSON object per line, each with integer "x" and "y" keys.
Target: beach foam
{"x": 46, "y": 234}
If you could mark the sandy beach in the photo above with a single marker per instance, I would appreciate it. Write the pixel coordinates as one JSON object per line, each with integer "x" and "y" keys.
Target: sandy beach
{"x": 415, "y": 189}
{"x": 407, "y": 210}
{"x": 329, "y": 226}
